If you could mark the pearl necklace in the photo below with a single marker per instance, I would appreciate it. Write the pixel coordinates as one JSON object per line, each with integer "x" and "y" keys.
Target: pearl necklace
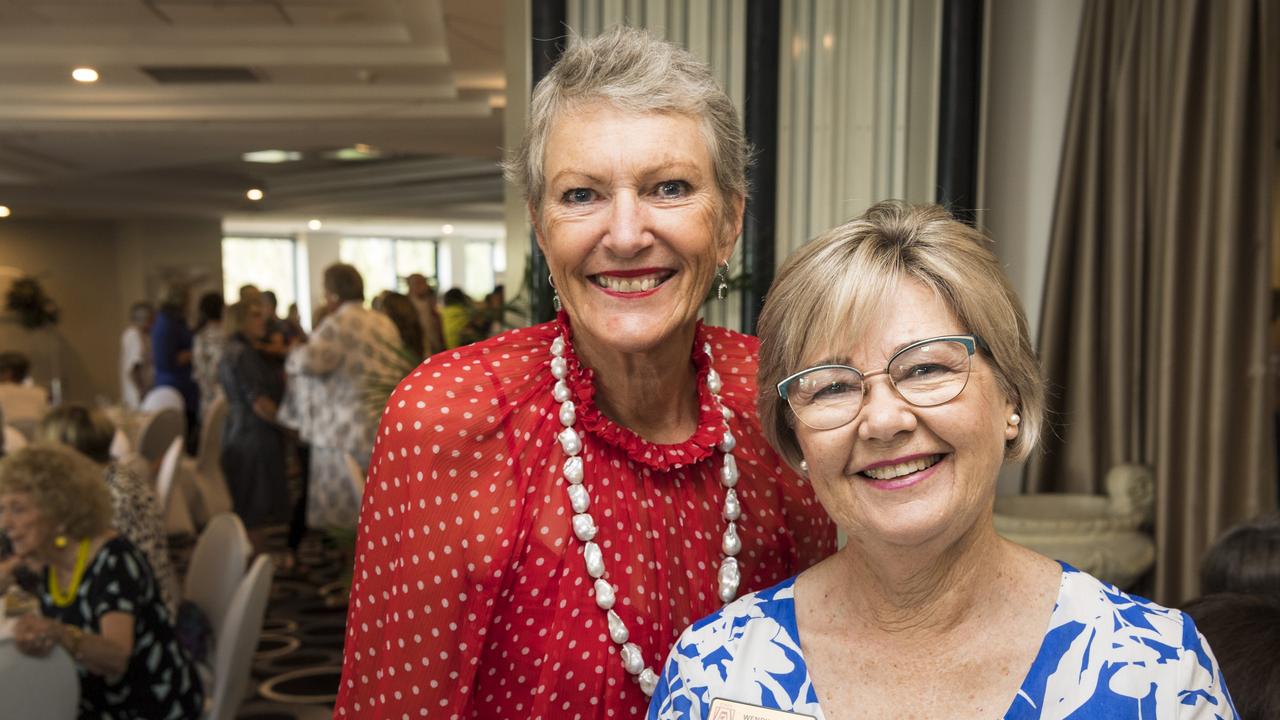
{"x": 584, "y": 526}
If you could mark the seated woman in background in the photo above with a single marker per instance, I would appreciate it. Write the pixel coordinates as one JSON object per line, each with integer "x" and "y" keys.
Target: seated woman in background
{"x": 252, "y": 443}
{"x": 1246, "y": 559}
{"x": 896, "y": 372}
{"x": 99, "y": 599}
{"x": 1245, "y": 632}
{"x": 134, "y": 510}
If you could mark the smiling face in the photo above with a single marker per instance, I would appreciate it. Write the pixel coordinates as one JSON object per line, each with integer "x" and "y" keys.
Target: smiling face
{"x": 632, "y": 223}
{"x": 28, "y": 529}
{"x": 901, "y": 474}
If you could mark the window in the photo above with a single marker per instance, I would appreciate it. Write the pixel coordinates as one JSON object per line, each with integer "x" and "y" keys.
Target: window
{"x": 270, "y": 263}
{"x": 384, "y": 263}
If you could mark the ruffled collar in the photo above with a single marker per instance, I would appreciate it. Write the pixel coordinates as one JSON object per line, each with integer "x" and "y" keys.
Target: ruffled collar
{"x": 698, "y": 447}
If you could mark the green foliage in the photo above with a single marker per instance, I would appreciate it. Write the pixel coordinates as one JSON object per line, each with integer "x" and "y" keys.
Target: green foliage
{"x": 34, "y": 308}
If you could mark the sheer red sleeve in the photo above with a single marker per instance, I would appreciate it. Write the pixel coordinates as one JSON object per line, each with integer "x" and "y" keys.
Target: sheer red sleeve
{"x": 436, "y": 531}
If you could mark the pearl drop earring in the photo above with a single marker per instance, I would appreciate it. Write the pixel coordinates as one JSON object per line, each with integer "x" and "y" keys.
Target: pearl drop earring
{"x": 1014, "y": 419}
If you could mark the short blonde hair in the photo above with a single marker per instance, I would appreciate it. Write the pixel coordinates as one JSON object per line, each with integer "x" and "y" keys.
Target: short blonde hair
{"x": 67, "y": 487}
{"x": 84, "y": 429}
{"x": 635, "y": 71}
{"x": 836, "y": 285}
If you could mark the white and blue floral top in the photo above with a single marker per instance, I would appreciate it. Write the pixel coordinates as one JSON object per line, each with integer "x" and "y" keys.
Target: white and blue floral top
{"x": 1106, "y": 654}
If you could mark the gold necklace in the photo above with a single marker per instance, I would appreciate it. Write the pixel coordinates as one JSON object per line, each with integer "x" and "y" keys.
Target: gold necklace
{"x": 77, "y": 574}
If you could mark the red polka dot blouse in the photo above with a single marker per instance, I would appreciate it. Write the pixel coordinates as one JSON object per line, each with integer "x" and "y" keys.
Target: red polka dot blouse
{"x": 471, "y": 598}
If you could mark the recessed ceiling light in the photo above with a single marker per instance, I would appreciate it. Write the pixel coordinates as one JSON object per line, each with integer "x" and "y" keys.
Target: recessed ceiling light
{"x": 447, "y": 229}
{"x": 314, "y": 224}
{"x": 4, "y": 211}
{"x": 85, "y": 75}
{"x": 254, "y": 194}
{"x": 272, "y": 156}
{"x": 359, "y": 151}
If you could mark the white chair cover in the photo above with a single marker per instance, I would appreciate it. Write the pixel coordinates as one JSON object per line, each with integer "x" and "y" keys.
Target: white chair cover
{"x": 236, "y": 643}
{"x": 217, "y": 566}
{"x": 161, "y": 398}
{"x": 158, "y": 433}
{"x": 44, "y": 688}
{"x": 210, "y": 488}
{"x": 173, "y": 503}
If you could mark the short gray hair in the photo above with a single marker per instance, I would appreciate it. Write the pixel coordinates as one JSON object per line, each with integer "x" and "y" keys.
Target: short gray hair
{"x": 635, "y": 71}
{"x": 837, "y": 283}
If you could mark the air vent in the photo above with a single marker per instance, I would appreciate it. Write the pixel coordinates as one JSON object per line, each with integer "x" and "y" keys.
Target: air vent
{"x": 197, "y": 75}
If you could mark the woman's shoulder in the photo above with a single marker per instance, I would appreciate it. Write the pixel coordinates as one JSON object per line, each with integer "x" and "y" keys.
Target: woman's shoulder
{"x": 743, "y": 626}
{"x": 468, "y": 393}
{"x": 1129, "y": 619}
{"x": 1103, "y": 641}
{"x": 500, "y": 365}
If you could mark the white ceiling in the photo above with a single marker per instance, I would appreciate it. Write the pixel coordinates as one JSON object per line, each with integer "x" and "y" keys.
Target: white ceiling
{"x": 420, "y": 80}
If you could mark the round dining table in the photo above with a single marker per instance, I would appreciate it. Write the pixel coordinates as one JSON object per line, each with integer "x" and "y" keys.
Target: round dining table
{"x": 32, "y": 688}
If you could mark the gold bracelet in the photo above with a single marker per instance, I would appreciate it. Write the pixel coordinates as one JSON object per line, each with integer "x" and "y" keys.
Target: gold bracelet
{"x": 72, "y": 636}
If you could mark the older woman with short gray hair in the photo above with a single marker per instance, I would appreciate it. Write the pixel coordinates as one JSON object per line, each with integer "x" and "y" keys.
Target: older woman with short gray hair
{"x": 898, "y": 375}
{"x": 547, "y": 508}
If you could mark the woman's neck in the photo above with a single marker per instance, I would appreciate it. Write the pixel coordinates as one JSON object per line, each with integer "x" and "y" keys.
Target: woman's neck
{"x": 924, "y": 592}
{"x": 652, "y": 393}
{"x": 64, "y": 559}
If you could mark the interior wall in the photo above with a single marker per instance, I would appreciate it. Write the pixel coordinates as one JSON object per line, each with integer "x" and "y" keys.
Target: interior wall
{"x": 68, "y": 257}
{"x": 1031, "y": 49}
{"x": 95, "y": 269}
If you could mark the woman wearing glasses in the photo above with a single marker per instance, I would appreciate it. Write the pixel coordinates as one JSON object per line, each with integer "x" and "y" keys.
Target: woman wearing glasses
{"x": 900, "y": 378}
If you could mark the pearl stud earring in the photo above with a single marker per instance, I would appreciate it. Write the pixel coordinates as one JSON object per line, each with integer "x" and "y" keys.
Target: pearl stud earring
{"x": 1014, "y": 419}
{"x": 804, "y": 467}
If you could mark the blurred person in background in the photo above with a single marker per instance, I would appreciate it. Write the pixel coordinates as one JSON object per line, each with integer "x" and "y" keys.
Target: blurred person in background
{"x": 207, "y": 347}
{"x": 280, "y": 336}
{"x": 136, "y": 370}
{"x": 253, "y": 445}
{"x": 172, "y": 353}
{"x": 1246, "y": 559}
{"x": 1244, "y": 630}
{"x": 135, "y": 513}
{"x": 294, "y": 320}
{"x": 22, "y": 402}
{"x": 330, "y": 404}
{"x": 404, "y": 315}
{"x": 423, "y": 297}
{"x": 455, "y": 317}
{"x": 99, "y": 599}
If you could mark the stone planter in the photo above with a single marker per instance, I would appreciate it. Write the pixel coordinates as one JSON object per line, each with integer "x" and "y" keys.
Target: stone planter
{"x": 1101, "y": 535}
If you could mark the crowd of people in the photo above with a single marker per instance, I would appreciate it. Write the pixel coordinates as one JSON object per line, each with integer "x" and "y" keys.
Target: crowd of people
{"x": 624, "y": 511}
{"x": 83, "y": 531}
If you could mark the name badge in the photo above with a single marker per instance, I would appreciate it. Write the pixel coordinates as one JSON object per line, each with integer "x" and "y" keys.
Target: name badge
{"x": 722, "y": 709}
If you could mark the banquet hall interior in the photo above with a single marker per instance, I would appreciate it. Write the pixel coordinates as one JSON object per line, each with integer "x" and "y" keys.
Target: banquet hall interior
{"x": 169, "y": 163}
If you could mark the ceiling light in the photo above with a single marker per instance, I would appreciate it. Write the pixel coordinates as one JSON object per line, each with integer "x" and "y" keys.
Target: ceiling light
{"x": 4, "y": 211}
{"x": 359, "y": 151}
{"x": 447, "y": 229}
{"x": 272, "y": 156}
{"x": 254, "y": 194}
{"x": 314, "y": 224}
{"x": 85, "y": 74}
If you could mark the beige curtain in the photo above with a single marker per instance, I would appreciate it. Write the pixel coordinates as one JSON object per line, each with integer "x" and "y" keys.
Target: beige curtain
{"x": 1155, "y": 326}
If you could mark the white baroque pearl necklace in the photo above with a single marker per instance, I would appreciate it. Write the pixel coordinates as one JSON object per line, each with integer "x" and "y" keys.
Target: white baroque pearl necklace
{"x": 584, "y": 526}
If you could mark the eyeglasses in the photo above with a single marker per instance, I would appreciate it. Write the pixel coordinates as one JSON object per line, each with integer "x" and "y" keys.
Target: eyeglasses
{"x": 925, "y": 373}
